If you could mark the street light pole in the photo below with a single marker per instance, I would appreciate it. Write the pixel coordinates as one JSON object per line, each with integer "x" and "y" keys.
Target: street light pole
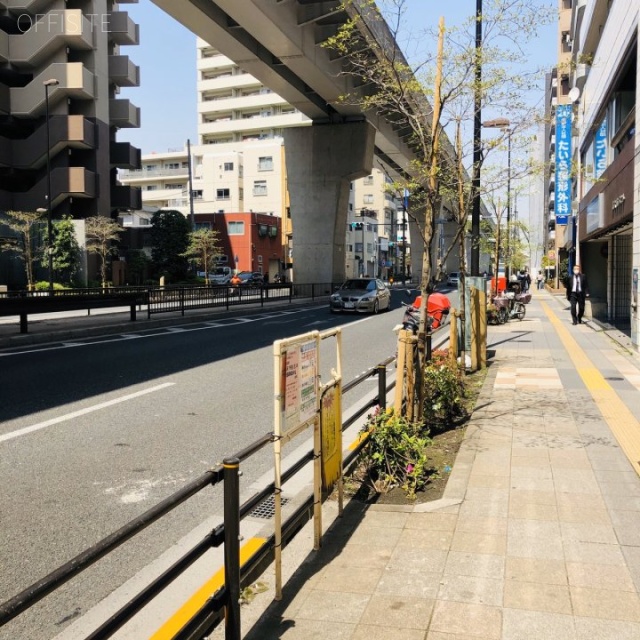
{"x": 477, "y": 147}
{"x": 49, "y": 83}
{"x": 507, "y": 261}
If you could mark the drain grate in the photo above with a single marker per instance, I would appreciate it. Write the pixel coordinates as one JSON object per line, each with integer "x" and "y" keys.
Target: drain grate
{"x": 613, "y": 378}
{"x": 267, "y": 508}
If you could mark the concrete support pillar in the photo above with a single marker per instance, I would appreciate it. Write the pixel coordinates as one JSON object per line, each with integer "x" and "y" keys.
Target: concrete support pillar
{"x": 322, "y": 160}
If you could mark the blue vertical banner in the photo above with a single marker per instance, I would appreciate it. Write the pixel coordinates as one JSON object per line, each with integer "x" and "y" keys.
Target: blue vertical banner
{"x": 600, "y": 149}
{"x": 564, "y": 114}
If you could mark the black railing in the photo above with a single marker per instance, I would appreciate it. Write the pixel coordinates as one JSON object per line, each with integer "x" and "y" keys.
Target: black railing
{"x": 157, "y": 299}
{"x": 225, "y": 603}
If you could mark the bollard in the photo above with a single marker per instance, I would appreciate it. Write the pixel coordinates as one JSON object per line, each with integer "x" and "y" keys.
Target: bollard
{"x": 232, "y": 547}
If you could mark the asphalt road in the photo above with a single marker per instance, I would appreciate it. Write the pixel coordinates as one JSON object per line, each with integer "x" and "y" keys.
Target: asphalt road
{"x": 96, "y": 432}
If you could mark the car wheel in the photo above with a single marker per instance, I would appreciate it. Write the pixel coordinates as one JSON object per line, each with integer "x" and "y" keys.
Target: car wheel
{"x": 376, "y": 306}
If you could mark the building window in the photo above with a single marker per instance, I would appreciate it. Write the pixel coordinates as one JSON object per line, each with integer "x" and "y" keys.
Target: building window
{"x": 228, "y": 166}
{"x": 151, "y": 187}
{"x": 368, "y": 180}
{"x": 358, "y": 247}
{"x": 223, "y": 194}
{"x": 173, "y": 165}
{"x": 235, "y": 228}
{"x": 273, "y": 232}
{"x": 222, "y": 259}
{"x": 367, "y": 198}
{"x": 203, "y": 225}
{"x": 265, "y": 163}
{"x": 151, "y": 167}
{"x": 262, "y": 230}
{"x": 260, "y": 188}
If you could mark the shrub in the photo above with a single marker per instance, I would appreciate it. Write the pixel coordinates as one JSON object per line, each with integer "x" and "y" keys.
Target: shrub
{"x": 444, "y": 392}
{"x": 43, "y": 285}
{"x": 396, "y": 453}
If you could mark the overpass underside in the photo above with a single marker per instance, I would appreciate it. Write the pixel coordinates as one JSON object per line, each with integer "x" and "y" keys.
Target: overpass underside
{"x": 280, "y": 43}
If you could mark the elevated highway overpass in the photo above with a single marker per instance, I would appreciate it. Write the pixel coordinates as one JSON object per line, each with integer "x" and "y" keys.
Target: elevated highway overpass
{"x": 279, "y": 42}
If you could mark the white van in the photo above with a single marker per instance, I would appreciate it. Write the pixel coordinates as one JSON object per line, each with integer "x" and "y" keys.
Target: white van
{"x": 221, "y": 275}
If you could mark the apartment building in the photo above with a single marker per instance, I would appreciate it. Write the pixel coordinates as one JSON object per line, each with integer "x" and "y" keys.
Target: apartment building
{"x": 603, "y": 81}
{"x": 65, "y": 58}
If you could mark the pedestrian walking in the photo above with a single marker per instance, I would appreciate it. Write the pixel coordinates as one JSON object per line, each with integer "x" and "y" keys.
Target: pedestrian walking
{"x": 526, "y": 281}
{"x": 577, "y": 290}
{"x": 540, "y": 280}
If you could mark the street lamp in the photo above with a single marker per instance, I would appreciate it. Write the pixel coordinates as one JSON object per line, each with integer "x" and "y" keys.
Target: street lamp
{"x": 52, "y": 82}
{"x": 505, "y": 125}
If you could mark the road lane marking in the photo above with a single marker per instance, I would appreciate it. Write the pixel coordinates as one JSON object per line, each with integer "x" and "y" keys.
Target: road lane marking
{"x": 188, "y": 610}
{"x": 82, "y": 412}
{"x": 623, "y": 424}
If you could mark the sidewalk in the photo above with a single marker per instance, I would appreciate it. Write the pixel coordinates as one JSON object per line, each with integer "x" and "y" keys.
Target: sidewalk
{"x": 538, "y": 534}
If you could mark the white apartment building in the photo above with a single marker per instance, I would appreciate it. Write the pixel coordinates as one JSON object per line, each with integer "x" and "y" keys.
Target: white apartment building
{"x": 238, "y": 163}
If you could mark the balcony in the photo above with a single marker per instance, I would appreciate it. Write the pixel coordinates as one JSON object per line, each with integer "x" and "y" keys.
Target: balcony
{"x": 125, "y": 197}
{"x": 580, "y": 75}
{"x": 125, "y": 155}
{"x": 27, "y": 6}
{"x": 153, "y": 174}
{"x": 122, "y": 29}
{"x": 68, "y": 28}
{"x": 122, "y": 72}
{"x": 74, "y": 182}
{"x": 123, "y": 114}
{"x": 65, "y": 132}
{"x": 75, "y": 82}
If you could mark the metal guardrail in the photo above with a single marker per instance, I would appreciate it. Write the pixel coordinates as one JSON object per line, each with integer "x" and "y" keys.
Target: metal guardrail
{"x": 226, "y": 602}
{"x": 157, "y": 299}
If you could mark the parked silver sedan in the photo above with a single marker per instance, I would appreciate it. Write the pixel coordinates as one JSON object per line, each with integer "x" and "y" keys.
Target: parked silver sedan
{"x": 364, "y": 295}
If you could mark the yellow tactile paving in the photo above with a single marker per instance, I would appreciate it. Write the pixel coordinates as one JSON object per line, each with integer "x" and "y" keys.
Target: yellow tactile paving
{"x": 623, "y": 424}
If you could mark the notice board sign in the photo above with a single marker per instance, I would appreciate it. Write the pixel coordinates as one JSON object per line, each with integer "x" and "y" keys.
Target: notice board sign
{"x": 299, "y": 383}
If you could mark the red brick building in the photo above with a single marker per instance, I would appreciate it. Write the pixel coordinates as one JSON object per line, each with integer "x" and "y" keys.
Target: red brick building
{"x": 250, "y": 241}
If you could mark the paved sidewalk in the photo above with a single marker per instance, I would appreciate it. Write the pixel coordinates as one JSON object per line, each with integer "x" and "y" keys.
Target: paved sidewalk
{"x": 538, "y": 534}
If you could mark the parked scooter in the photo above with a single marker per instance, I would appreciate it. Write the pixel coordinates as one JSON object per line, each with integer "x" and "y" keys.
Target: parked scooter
{"x": 438, "y": 306}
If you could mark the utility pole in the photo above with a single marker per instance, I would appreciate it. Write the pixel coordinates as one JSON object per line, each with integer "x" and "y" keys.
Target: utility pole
{"x": 405, "y": 205}
{"x": 191, "y": 213}
{"x": 477, "y": 147}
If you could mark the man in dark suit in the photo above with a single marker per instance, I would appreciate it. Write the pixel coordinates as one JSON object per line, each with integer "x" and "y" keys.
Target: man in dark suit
{"x": 577, "y": 290}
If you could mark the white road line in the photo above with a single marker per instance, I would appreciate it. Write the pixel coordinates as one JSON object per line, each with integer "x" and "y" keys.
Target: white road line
{"x": 82, "y": 412}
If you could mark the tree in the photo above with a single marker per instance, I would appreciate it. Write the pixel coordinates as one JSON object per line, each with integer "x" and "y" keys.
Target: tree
{"x": 101, "y": 234}
{"x": 203, "y": 249}
{"x": 137, "y": 263}
{"x": 26, "y": 225}
{"x": 66, "y": 251}
{"x": 170, "y": 242}
{"x": 434, "y": 94}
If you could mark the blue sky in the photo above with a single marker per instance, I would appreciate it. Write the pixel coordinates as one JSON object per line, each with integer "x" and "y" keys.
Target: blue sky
{"x": 167, "y": 59}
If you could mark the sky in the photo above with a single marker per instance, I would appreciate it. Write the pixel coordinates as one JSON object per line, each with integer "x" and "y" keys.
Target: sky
{"x": 166, "y": 56}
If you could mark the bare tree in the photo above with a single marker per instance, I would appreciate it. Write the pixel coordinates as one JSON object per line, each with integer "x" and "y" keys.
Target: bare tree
{"x": 434, "y": 93}
{"x": 102, "y": 234}
{"x": 26, "y": 225}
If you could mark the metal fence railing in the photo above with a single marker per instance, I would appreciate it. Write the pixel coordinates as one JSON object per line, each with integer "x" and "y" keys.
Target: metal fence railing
{"x": 225, "y": 603}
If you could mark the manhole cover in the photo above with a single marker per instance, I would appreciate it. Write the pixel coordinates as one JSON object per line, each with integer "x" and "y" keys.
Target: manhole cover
{"x": 267, "y": 508}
